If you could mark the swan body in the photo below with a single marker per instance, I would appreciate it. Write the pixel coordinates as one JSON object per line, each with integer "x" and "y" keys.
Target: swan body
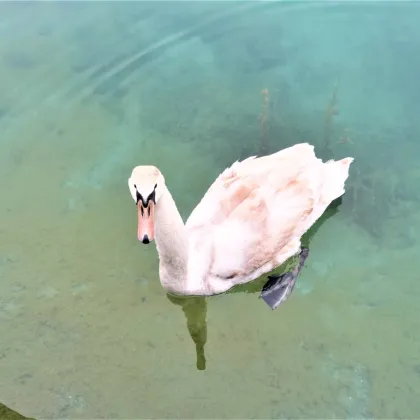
{"x": 248, "y": 223}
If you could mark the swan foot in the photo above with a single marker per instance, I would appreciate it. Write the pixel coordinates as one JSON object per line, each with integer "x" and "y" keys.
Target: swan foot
{"x": 279, "y": 287}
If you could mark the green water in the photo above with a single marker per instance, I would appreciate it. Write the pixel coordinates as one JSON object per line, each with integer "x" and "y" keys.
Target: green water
{"x": 90, "y": 90}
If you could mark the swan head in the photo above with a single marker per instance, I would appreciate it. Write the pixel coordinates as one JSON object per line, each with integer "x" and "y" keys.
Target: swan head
{"x": 146, "y": 185}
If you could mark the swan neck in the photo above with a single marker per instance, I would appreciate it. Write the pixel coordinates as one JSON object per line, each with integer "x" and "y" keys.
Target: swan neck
{"x": 171, "y": 243}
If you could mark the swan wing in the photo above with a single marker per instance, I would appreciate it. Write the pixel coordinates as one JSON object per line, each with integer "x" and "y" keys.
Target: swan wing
{"x": 252, "y": 217}
{"x": 232, "y": 185}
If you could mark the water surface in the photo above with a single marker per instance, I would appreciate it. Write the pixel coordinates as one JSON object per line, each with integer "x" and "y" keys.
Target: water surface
{"x": 89, "y": 90}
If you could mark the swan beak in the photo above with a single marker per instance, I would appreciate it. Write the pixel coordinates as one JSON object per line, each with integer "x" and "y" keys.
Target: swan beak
{"x": 146, "y": 221}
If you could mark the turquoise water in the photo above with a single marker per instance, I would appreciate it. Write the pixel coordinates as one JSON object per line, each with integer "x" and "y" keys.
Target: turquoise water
{"x": 90, "y": 90}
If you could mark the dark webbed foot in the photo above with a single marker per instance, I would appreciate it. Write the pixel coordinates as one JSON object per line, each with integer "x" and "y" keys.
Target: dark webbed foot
{"x": 279, "y": 287}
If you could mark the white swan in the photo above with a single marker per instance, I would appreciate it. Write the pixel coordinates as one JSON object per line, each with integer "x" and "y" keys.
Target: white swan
{"x": 249, "y": 222}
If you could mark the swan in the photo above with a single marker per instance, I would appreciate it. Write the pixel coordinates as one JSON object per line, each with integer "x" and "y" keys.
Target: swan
{"x": 248, "y": 223}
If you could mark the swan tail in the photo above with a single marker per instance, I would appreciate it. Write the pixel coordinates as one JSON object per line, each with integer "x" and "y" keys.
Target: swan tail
{"x": 335, "y": 176}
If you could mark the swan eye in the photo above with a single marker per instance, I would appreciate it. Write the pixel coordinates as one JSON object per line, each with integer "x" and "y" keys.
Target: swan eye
{"x": 135, "y": 186}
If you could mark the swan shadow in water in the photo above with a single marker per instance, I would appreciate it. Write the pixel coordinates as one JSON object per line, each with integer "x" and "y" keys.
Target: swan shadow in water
{"x": 195, "y": 307}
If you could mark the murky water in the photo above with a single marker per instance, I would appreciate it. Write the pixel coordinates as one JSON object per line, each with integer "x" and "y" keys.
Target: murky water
{"x": 88, "y": 91}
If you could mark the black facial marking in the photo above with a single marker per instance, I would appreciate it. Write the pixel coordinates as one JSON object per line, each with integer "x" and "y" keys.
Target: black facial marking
{"x": 151, "y": 196}
{"x": 138, "y": 196}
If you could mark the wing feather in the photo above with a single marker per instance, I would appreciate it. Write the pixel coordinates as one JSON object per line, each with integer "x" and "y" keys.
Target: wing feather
{"x": 236, "y": 183}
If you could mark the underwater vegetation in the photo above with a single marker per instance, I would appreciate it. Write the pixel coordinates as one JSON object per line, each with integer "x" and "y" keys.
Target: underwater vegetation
{"x": 264, "y": 121}
{"x": 374, "y": 194}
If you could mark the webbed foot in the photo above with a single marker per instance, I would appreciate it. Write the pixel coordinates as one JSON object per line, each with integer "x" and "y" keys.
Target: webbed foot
{"x": 279, "y": 287}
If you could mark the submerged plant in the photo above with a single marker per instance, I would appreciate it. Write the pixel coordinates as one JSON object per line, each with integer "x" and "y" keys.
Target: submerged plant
{"x": 331, "y": 111}
{"x": 264, "y": 122}
{"x": 373, "y": 196}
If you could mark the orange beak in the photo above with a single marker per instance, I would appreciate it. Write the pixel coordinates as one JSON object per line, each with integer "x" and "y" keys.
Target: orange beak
{"x": 146, "y": 222}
